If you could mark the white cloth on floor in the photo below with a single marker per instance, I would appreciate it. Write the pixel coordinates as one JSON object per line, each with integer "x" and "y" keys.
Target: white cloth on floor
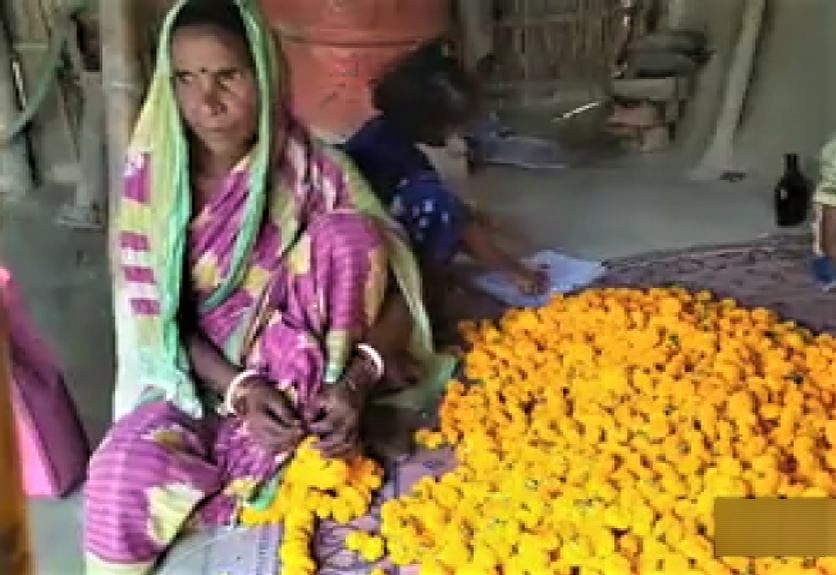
{"x": 565, "y": 273}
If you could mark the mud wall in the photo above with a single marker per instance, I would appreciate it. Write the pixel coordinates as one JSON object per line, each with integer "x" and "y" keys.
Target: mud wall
{"x": 791, "y": 104}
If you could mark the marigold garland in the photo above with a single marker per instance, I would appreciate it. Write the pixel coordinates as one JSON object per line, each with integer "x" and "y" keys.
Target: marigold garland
{"x": 316, "y": 488}
{"x": 601, "y": 430}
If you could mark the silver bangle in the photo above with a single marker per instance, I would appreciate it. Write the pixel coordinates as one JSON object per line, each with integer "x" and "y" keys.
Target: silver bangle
{"x": 374, "y": 356}
{"x": 234, "y": 386}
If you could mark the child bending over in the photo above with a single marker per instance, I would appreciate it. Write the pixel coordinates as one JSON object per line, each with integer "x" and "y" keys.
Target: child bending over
{"x": 426, "y": 98}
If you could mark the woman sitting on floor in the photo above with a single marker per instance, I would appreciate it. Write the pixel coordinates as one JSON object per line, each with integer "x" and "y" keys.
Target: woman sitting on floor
{"x": 254, "y": 269}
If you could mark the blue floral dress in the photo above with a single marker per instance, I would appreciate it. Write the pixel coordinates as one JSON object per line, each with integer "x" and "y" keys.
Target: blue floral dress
{"x": 403, "y": 178}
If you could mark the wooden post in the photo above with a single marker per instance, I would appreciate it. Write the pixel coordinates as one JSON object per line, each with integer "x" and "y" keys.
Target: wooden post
{"x": 676, "y": 15}
{"x": 719, "y": 156}
{"x": 15, "y": 170}
{"x": 123, "y": 88}
{"x": 476, "y": 24}
{"x": 86, "y": 210}
{"x": 52, "y": 130}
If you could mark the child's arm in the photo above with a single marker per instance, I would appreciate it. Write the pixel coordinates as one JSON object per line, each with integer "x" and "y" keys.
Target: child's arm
{"x": 480, "y": 246}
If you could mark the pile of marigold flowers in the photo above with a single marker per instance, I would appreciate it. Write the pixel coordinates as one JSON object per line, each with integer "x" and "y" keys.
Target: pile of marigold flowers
{"x": 593, "y": 439}
{"x": 602, "y": 428}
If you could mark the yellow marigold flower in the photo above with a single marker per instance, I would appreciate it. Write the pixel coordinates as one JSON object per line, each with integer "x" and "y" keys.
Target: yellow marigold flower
{"x": 617, "y": 517}
{"x": 471, "y": 569}
{"x": 717, "y": 568}
{"x": 670, "y": 306}
{"x": 689, "y": 466}
{"x": 433, "y": 567}
{"x": 675, "y": 563}
{"x": 649, "y": 564}
{"x": 485, "y": 558}
{"x": 429, "y": 439}
{"x": 354, "y": 540}
{"x": 453, "y": 554}
{"x": 372, "y": 549}
{"x": 814, "y": 492}
{"x": 617, "y": 565}
{"x": 739, "y": 564}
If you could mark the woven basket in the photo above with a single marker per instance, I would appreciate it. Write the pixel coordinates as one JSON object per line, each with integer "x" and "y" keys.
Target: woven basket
{"x": 552, "y": 50}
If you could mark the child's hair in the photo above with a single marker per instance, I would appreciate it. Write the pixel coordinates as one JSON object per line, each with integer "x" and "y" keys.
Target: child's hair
{"x": 426, "y": 93}
{"x": 222, "y": 15}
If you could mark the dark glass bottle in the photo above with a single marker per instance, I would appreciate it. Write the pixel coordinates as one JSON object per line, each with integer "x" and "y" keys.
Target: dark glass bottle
{"x": 792, "y": 195}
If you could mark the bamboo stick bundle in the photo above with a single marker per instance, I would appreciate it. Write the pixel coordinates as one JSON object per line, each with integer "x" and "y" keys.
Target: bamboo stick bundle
{"x": 15, "y": 169}
{"x": 544, "y": 47}
{"x": 86, "y": 209}
{"x": 33, "y": 27}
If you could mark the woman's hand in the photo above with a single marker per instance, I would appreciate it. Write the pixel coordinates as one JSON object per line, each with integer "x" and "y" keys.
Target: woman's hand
{"x": 390, "y": 337}
{"x": 340, "y": 407}
{"x": 267, "y": 414}
{"x": 401, "y": 371}
{"x": 531, "y": 282}
{"x": 269, "y": 417}
{"x": 481, "y": 247}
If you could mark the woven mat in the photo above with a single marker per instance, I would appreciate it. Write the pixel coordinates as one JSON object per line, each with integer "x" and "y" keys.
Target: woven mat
{"x": 771, "y": 272}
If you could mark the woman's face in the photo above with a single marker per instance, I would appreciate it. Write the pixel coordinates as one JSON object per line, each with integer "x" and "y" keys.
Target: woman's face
{"x": 216, "y": 89}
